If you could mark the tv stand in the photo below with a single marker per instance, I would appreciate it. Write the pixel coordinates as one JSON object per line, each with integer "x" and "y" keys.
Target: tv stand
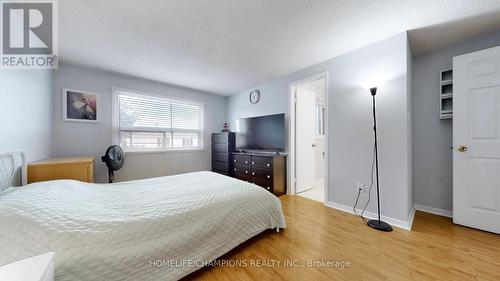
{"x": 263, "y": 168}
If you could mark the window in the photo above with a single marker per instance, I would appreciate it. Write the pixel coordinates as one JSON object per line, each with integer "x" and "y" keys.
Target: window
{"x": 152, "y": 123}
{"x": 320, "y": 120}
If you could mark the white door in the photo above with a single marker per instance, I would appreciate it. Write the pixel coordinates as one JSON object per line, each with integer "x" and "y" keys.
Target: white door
{"x": 305, "y": 137}
{"x": 476, "y": 140}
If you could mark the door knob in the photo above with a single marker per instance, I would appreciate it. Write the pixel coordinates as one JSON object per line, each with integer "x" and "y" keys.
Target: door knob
{"x": 462, "y": 148}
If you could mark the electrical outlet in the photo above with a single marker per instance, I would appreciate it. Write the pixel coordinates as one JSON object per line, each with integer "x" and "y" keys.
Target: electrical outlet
{"x": 360, "y": 187}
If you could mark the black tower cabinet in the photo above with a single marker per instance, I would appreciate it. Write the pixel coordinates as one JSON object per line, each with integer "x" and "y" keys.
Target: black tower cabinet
{"x": 223, "y": 145}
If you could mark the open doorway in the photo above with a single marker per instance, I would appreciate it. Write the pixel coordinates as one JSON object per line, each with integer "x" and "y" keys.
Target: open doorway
{"x": 309, "y": 159}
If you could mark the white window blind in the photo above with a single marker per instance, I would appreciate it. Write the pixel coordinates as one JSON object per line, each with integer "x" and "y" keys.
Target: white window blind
{"x": 151, "y": 123}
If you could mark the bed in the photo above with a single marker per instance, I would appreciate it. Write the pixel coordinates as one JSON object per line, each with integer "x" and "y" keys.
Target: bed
{"x": 153, "y": 229}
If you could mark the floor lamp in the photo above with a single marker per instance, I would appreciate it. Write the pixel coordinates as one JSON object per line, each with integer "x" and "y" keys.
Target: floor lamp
{"x": 377, "y": 224}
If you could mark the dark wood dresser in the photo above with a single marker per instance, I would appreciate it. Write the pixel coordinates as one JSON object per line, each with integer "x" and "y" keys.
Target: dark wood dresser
{"x": 223, "y": 144}
{"x": 262, "y": 169}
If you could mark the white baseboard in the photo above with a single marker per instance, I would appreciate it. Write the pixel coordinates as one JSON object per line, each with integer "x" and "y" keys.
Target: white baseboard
{"x": 406, "y": 225}
{"x": 435, "y": 211}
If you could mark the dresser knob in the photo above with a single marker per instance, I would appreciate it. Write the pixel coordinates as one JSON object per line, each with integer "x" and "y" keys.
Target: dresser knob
{"x": 246, "y": 172}
{"x": 268, "y": 188}
{"x": 253, "y": 163}
{"x": 268, "y": 176}
{"x": 235, "y": 169}
{"x": 253, "y": 173}
{"x": 246, "y": 162}
{"x": 234, "y": 160}
{"x": 269, "y": 165}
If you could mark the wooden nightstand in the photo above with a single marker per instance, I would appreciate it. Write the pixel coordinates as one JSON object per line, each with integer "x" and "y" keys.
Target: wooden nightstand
{"x": 39, "y": 268}
{"x": 81, "y": 168}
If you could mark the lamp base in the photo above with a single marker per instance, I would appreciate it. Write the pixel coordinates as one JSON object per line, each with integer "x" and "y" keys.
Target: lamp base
{"x": 380, "y": 225}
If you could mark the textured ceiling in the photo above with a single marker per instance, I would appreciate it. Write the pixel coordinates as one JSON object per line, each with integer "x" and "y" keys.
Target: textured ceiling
{"x": 438, "y": 36}
{"x": 226, "y": 46}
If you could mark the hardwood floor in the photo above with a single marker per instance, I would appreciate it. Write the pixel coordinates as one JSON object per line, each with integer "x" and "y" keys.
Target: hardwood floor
{"x": 435, "y": 249}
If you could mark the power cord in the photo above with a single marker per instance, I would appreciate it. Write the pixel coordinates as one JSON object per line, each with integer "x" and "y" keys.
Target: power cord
{"x": 369, "y": 191}
{"x": 356, "y": 203}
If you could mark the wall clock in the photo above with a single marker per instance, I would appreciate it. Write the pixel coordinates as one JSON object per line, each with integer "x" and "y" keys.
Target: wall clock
{"x": 255, "y": 96}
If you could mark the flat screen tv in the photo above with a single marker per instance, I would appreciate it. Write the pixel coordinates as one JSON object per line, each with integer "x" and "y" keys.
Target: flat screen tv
{"x": 265, "y": 133}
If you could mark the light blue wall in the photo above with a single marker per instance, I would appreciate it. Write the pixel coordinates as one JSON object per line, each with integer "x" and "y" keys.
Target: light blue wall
{"x": 433, "y": 162}
{"x": 350, "y": 121}
{"x": 87, "y": 139}
{"x": 26, "y": 112}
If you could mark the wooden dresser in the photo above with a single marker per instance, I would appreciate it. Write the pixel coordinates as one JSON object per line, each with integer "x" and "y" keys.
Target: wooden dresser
{"x": 266, "y": 170}
{"x": 223, "y": 144}
{"x": 77, "y": 168}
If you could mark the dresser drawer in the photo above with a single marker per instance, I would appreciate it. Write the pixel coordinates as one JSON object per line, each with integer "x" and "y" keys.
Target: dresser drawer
{"x": 268, "y": 185}
{"x": 260, "y": 162}
{"x": 220, "y": 165}
{"x": 241, "y": 160}
{"x": 265, "y": 175}
{"x": 242, "y": 172}
{"x": 226, "y": 173}
{"x": 242, "y": 176}
{"x": 220, "y": 138}
{"x": 220, "y": 147}
{"x": 220, "y": 156}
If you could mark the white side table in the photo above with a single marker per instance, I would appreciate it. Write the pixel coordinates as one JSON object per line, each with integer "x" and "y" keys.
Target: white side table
{"x": 38, "y": 268}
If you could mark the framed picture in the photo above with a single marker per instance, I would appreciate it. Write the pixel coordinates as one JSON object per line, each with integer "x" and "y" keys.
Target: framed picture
{"x": 80, "y": 106}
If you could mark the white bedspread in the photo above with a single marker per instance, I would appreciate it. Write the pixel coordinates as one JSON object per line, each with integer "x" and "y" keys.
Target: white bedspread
{"x": 120, "y": 231}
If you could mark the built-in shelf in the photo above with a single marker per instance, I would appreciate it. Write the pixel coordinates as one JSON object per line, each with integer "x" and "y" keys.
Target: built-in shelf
{"x": 446, "y": 94}
{"x": 446, "y": 89}
{"x": 447, "y": 75}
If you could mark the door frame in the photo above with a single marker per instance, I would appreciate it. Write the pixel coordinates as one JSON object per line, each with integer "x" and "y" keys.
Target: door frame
{"x": 292, "y": 125}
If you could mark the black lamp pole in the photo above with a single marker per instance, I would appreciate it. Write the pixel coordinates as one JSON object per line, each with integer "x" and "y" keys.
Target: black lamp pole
{"x": 377, "y": 224}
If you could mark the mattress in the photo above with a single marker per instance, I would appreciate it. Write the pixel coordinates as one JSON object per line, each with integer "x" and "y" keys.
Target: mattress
{"x": 153, "y": 229}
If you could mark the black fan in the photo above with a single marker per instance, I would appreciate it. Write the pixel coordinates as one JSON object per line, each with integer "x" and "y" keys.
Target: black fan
{"x": 114, "y": 160}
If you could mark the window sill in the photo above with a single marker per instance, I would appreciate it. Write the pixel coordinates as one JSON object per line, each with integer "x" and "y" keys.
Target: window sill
{"x": 171, "y": 151}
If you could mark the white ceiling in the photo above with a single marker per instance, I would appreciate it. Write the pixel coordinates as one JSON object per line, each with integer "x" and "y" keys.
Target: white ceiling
{"x": 227, "y": 46}
{"x": 438, "y": 36}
